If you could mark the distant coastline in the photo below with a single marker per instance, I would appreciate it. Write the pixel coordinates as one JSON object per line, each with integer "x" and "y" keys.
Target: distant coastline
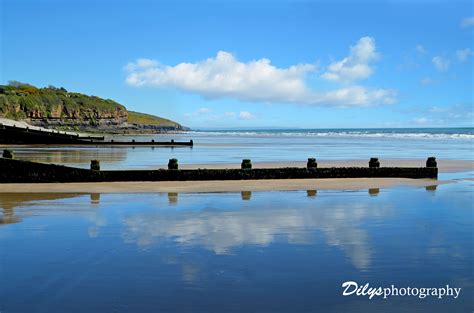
{"x": 59, "y": 109}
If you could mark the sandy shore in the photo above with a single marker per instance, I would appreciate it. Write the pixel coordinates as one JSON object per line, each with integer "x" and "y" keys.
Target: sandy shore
{"x": 445, "y": 166}
{"x": 220, "y": 186}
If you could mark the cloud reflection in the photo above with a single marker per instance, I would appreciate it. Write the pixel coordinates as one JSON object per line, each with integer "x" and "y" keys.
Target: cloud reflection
{"x": 222, "y": 230}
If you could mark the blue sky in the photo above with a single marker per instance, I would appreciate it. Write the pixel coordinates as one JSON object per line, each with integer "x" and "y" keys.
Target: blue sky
{"x": 311, "y": 64}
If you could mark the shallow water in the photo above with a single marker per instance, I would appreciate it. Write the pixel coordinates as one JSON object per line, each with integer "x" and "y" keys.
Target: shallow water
{"x": 235, "y": 252}
{"x": 267, "y": 146}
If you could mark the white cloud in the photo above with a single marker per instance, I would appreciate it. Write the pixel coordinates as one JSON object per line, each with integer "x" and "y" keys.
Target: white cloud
{"x": 421, "y": 120}
{"x": 426, "y": 81}
{"x": 440, "y": 63}
{"x": 244, "y": 115}
{"x": 464, "y": 54}
{"x": 203, "y": 111}
{"x": 229, "y": 114}
{"x": 224, "y": 76}
{"x": 467, "y": 22}
{"x": 420, "y": 49}
{"x": 356, "y": 65}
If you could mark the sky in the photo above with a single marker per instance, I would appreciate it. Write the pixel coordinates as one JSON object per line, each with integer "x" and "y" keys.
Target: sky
{"x": 253, "y": 64}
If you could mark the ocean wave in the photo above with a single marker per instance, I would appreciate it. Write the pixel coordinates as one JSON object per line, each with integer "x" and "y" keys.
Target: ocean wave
{"x": 339, "y": 134}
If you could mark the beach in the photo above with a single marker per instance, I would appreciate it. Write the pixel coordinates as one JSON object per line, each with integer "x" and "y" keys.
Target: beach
{"x": 281, "y": 245}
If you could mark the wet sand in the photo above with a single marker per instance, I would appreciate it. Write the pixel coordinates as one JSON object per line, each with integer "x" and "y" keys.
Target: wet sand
{"x": 221, "y": 186}
{"x": 445, "y": 166}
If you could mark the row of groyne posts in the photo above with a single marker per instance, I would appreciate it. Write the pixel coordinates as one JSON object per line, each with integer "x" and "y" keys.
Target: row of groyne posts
{"x": 245, "y": 165}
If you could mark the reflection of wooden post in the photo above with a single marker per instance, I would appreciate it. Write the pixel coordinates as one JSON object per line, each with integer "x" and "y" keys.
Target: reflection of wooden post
{"x": 172, "y": 197}
{"x": 374, "y": 192}
{"x": 311, "y": 193}
{"x": 246, "y": 195}
{"x": 95, "y": 198}
{"x": 431, "y": 188}
{"x": 8, "y": 217}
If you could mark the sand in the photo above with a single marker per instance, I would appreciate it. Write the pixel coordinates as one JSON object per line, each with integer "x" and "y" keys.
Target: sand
{"x": 445, "y": 166}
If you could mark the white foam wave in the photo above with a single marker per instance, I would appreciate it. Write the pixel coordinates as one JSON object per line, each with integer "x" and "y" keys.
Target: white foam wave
{"x": 339, "y": 134}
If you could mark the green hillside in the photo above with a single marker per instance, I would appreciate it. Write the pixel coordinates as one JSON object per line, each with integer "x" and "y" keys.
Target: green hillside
{"x": 20, "y": 101}
{"x": 143, "y": 118}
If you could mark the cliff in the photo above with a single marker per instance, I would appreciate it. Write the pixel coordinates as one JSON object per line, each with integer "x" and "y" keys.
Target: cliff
{"x": 58, "y": 108}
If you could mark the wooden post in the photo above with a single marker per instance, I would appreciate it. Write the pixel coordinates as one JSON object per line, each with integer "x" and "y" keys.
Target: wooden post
{"x": 173, "y": 164}
{"x": 431, "y": 162}
{"x": 374, "y": 162}
{"x": 8, "y": 154}
{"x": 95, "y": 165}
{"x": 311, "y": 163}
{"x": 246, "y": 164}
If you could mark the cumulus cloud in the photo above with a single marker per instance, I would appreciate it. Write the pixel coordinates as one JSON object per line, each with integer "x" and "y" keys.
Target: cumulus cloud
{"x": 467, "y": 22}
{"x": 426, "y": 81}
{"x": 464, "y": 54}
{"x": 356, "y": 65}
{"x": 440, "y": 63}
{"x": 223, "y": 76}
{"x": 420, "y": 49}
{"x": 244, "y": 115}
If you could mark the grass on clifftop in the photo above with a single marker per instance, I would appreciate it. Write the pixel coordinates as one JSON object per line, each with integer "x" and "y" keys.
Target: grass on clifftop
{"x": 142, "y": 118}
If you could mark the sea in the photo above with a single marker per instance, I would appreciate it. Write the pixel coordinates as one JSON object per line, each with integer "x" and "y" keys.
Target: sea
{"x": 269, "y": 251}
{"x": 267, "y": 145}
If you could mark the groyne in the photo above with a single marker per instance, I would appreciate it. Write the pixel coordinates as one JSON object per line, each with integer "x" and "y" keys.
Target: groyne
{"x": 18, "y": 171}
{"x": 36, "y": 136}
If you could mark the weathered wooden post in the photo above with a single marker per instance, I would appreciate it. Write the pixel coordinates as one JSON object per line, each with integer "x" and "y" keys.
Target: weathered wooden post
{"x": 374, "y": 162}
{"x": 246, "y": 164}
{"x": 95, "y": 165}
{"x": 173, "y": 164}
{"x": 311, "y": 163}
{"x": 431, "y": 162}
{"x": 8, "y": 154}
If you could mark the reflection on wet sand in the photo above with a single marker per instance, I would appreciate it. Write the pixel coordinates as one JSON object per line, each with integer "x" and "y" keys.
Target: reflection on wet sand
{"x": 23, "y": 201}
{"x": 9, "y": 217}
{"x": 76, "y": 156}
{"x": 172, "y": 197}
{"x": 95, "y": 198}
{"x": 223, "y": 230}
{"x": 246, "y": 195}
{"x": 373, "y": 192}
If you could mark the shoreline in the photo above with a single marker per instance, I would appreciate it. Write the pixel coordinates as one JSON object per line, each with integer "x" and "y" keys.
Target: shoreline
{"x": 222, "y": 186}
{"x": 445, "y": 166}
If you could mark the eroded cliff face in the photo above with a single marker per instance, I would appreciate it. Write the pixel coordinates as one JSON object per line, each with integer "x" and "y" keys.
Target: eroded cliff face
{"x": 61, "y": 112}
{"x": 56, "y": 107}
